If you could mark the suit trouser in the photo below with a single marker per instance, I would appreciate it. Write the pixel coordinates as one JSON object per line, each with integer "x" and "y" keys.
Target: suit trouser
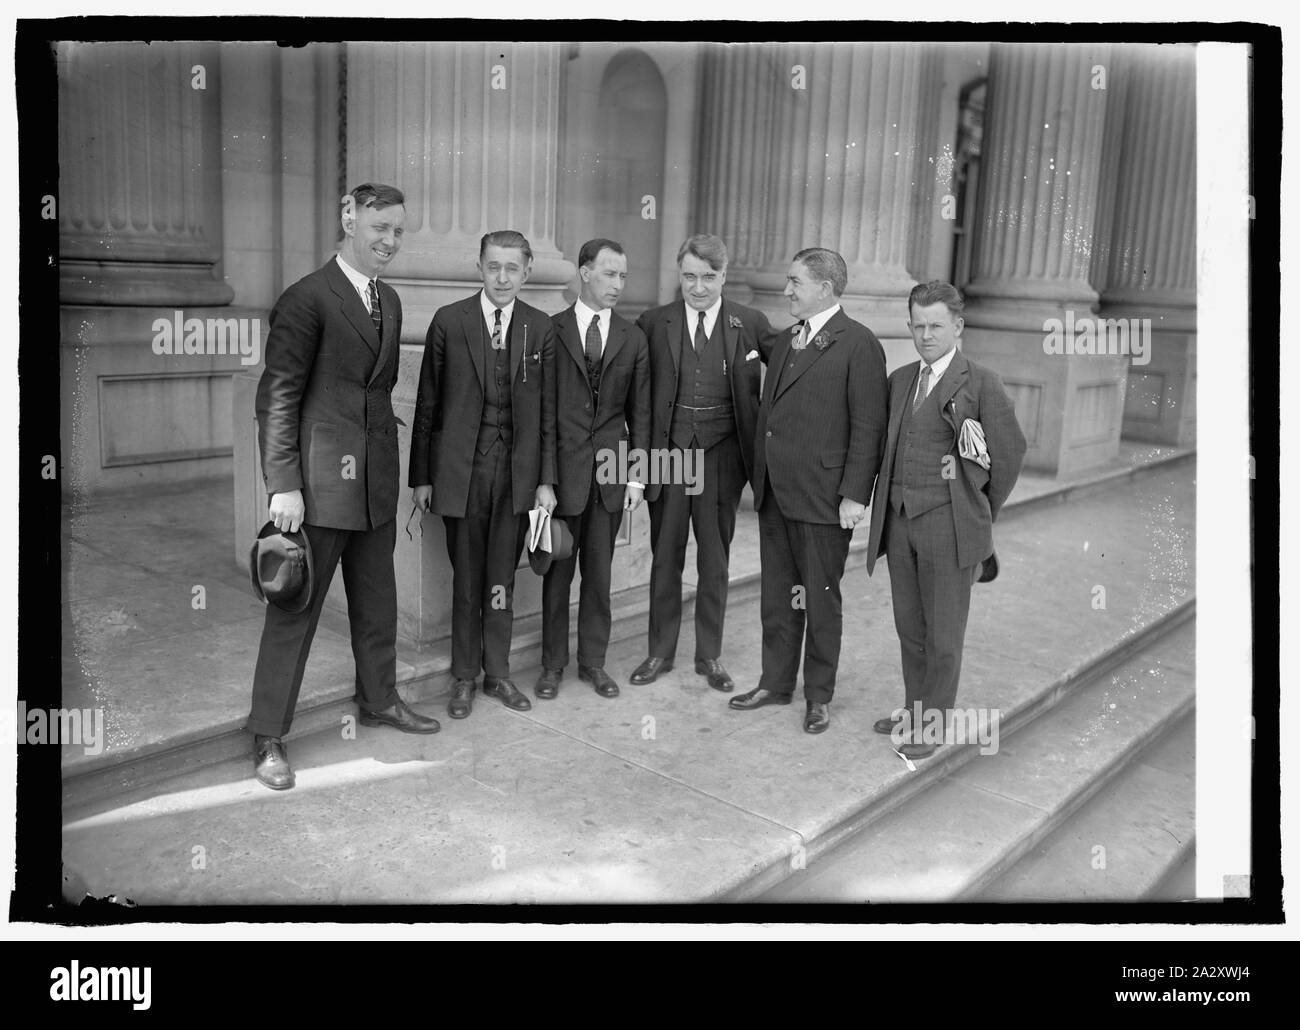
{"x": 803, "y": 563}
{"x": 594, "y": 532}
{"x": 484, "y": 549}
{"x": 371, "y": 587}
{"x": 712, "y": 513}
{"x": 931, "y": 599}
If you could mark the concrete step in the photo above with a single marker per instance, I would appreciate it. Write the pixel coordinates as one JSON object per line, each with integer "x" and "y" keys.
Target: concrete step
{"x": 1127, "y": 842}
{"x": 424, "y": 677}
{"x": 970, "y": 823}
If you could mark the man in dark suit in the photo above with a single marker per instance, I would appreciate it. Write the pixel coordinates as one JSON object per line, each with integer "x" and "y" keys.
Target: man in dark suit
{"x": 820, "y": 431}
{"x": 706, "y": 358}
{"x": 934, "y": 509}
{"x": 602, "y": 377}
{"x": 483, "y": 455}
{"x": 328, "y": 442}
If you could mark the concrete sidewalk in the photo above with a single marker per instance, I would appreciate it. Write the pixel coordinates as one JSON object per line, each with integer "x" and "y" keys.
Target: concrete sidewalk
{"x": 663, "y": 794}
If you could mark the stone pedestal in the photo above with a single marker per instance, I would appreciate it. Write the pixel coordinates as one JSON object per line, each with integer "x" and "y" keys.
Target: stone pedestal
{"x": 1035, "y": 223}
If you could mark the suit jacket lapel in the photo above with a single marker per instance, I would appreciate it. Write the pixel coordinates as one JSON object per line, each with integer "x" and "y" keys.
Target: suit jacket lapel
{"x": 471, "y": 320}
{"x": 954, "y": 375}
{"x": 613, "y": 344}
{"x": 811, "y": 354}
{"x": 904, "y": 389}
{"x": 518, "y": 333}
{"x": 386, "y": 304}
{"x": 669, "y": 327}
{"x": 351, "y": 306}
{"x": 572, "y": 344}
{"x": 731, "y": 337}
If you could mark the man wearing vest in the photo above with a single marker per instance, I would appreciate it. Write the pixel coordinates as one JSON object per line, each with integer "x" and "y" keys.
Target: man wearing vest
{"x": 483, "y": 455}
{"x": 326, "y": 397}
{"x": 602, "y": 383}
{"x": 706, "y": 358}
{"x": 934, "y": 507}
{"x": 817, "y": 446}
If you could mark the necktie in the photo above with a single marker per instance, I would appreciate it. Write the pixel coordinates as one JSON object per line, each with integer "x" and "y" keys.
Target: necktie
{"x": 593, "y": 349}
{"x": 701, "y": 341}
{"x": 498, "y": 340}
{"x": 801, "y": 341}
{"x": 376, "y": 316}
{"x": 923, "y": 390}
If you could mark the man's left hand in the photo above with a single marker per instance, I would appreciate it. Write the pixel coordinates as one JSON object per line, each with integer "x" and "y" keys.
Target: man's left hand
{"x": 545, "y": 498}
{"x": 851, "y": 513}
{"x": 632, "y": 499}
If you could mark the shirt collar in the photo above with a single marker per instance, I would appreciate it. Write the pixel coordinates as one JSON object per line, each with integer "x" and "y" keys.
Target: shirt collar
{"x": 359, "y": 281}
{"x": 586, "y": 314}
{"x": 940, "y": 366}
{"x": 710, "y": 315}
{"x": 488, "y": 309}
{"x": 819, "y": 320}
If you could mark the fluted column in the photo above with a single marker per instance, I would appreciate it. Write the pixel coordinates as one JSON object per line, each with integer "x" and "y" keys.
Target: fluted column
{"x": 1040, "y": 182}
{"x": 470, "y": 133}
{"x": 139, "y": 174}
{"x": 1151, "y": 272}
{"x": 828, "y": 165}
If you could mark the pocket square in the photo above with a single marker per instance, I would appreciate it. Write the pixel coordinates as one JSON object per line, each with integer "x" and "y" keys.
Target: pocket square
{"x": 751, "y": 355}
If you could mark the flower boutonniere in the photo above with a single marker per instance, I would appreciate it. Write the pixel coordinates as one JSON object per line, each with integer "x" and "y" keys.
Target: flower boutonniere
{"x": 734, "y": 322}
{"x": 821, "y": 341}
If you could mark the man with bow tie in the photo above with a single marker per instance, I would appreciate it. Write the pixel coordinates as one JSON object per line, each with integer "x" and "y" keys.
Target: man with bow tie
{"x": 821, "y": 427}
{"x": 483, "y": 455}
{"x": 328, "y": 441}
{"x": 706, "y": 358}
{"x": 934, "y": 507}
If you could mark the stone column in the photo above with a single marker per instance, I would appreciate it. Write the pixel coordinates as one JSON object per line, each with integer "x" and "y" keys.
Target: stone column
{"x": 1036, "y": 212}
{"x": 470, "y": 133}
{"x": 828, "y": 165}
{"x": 1150, "y": 283}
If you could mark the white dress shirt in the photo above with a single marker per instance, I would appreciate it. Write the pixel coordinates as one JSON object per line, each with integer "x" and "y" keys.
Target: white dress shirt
{"x": 819, "y": 320}
{"x": 359, "y": 282}
{"x": 937, "y": 369}
{"x": 710, "y": 318}
{"x": 489, "y": 314}
{"x": 585, "y": 315}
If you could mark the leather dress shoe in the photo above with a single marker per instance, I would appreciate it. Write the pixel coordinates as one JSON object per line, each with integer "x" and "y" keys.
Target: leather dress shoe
{"x": 757, "y": 698}
{"x": 271, "y": 767}
{"x": 817, "y": 719}
{"x": 917, "y": 750}
{"x": 718, "y": 677}
{"x": 548, "y": 683}
{"x": 599, "y": 679}
{"x": 507, "y": 693}
{"x": 650, "y": 670}
{"x": 401, "y": 717}
{"x": 886, "y": 725}
{"x": 462, "y": 699}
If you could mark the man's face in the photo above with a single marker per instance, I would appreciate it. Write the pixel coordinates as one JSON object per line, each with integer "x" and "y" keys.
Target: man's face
{"x": 806, "y": 295}
{"x": 701, "y": 283}
{"x": 935, "y": 330}
{"x": 503, "y": 270}
{"x": 603, "y": 280}
{"x": 373, "y": 237}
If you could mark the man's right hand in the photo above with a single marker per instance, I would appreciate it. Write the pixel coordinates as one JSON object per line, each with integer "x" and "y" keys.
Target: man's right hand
{"x": 422, "y": 497}
{"x": 288, "y": 511}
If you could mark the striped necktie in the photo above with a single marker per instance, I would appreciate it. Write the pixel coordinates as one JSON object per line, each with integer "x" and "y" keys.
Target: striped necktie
{"x": 923, "y": 389}
{"x": 376, "y": 316}
{"x": 498, "y": 343}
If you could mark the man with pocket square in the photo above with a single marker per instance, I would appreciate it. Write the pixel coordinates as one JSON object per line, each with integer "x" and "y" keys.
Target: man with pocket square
{"x": 934, "y": 508}
{"x": 706, "y": 356}
{"x": 328, "y": 441}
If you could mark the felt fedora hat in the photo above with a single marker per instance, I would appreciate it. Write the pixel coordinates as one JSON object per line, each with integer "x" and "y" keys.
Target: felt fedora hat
{"x": 280, "y": 566}
{"x": 561, "y": 546}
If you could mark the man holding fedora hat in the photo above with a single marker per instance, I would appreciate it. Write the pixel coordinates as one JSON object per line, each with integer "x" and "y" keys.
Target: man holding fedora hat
{"x": 328, "y": 442}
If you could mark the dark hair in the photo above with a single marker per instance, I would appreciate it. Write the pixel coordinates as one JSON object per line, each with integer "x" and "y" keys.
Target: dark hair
{"x": 707, "y": 248}
{"x": 936, "y": 291}
{"x": 506, "y": 238}
{"x": 592, "y": 248}
{"x": 827, "y": 267}
{"x": 377, "y": 195}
